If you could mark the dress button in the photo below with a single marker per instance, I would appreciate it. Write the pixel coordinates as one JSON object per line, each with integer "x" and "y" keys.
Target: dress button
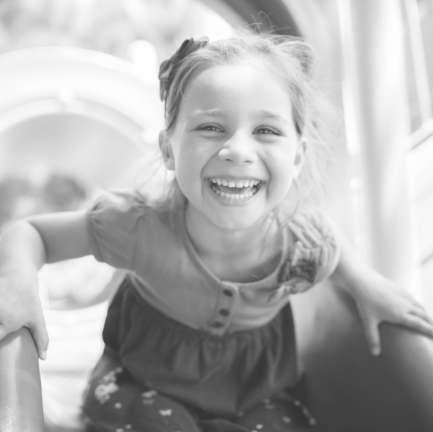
{"x": 224, "y": 312}
{"x": 228, "y": 293}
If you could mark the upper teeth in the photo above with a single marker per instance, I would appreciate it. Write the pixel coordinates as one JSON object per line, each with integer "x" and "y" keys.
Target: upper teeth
{"x": 231, "y": 183}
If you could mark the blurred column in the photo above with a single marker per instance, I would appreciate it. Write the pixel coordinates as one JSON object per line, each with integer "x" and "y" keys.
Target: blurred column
{"x": 377, "y": 123}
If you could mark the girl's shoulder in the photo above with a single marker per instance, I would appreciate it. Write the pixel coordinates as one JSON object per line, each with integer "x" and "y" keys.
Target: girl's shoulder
{"x": 127, "y": 202}
{"x": 120, "y": 199}
{"x": 120, "y": 222}
{"x": 127, "y": 209}
{"x": 313, "y": 227}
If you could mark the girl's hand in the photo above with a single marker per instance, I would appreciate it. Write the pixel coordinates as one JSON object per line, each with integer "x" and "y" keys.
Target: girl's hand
{"x": 20, "y": 306}
{"x": 379, "y": 299}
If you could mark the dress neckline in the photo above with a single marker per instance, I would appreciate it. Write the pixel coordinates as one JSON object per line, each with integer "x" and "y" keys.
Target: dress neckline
{"x": 195, "y": 258}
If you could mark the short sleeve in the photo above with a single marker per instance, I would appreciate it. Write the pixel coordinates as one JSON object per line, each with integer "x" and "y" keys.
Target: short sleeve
{"x": 316, "y": 251}
{"x": 114, "y": 224}
{"x": 328, "y": 244}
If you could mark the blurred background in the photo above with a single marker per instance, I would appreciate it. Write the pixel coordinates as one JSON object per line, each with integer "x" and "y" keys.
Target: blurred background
{"x": 80, "y": 113}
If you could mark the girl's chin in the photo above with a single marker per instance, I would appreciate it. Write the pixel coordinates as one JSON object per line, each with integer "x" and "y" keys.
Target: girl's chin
{"x": 227, "y": 214}
{"x": 232, "y": 223}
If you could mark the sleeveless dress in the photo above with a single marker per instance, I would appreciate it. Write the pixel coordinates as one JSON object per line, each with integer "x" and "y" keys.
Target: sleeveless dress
{"x": 185, "y": 351}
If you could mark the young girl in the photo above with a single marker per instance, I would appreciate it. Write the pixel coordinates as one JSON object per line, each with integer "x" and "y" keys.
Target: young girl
{"x": 200, "y": 335}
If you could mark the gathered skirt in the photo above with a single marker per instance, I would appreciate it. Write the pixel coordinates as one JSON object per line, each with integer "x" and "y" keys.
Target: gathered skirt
{"x": 159, "y": 375}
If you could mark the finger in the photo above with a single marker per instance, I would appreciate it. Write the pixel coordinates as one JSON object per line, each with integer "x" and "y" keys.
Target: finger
{"x": 372, "y": 335}
{"x": 40, "y": 336}
{"x": 416, "y": 323}
{"x": 420, "y": 312}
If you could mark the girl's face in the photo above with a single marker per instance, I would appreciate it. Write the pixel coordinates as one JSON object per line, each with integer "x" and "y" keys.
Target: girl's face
{"x": 234, "y": 148}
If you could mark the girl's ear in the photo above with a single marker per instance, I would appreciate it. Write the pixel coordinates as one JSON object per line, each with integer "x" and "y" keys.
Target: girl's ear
{"x": 165, "y": 147}
{"x": 301, "y": 151}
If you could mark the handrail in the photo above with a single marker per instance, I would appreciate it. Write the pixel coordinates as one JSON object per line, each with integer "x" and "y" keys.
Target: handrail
{"x": 20, "y": 386}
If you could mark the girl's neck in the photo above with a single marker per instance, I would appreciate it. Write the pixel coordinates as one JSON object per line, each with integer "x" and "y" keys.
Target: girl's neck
{"x": 236, "y": 256}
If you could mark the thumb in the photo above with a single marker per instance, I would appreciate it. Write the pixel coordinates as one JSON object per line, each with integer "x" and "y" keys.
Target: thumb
{"x": 372, "y": 334}
{"x": 40, "y": 336}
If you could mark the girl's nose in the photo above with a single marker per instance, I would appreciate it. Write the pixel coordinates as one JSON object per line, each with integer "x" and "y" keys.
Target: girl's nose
{"x": 238, "y": 149}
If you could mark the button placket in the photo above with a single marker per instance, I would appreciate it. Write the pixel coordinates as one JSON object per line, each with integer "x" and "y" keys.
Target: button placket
{"x": 227, "y": 300}
{"x": 224, "y": 307}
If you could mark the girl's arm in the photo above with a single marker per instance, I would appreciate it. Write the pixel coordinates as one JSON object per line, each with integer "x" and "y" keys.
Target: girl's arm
{"x": 379, "y": 299}
{"x": 24, "y": 248}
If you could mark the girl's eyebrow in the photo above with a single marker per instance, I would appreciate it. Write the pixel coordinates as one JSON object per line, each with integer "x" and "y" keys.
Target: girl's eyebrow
{"x": 263, "y": 114}
{"x": 215, "y": 112}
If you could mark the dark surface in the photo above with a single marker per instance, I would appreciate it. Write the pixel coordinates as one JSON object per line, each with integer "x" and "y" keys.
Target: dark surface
{"x": 348, "y": 389}
{"x": 345, "y": 387}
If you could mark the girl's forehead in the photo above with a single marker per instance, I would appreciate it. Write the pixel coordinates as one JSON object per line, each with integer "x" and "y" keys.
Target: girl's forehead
{"x": 243, "y": 80}
{"x": 212, "y": 74}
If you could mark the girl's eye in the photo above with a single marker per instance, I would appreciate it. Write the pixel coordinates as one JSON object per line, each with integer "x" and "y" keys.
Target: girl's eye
{"x": 209, "y": 128}
{"x": 266, "y": 131}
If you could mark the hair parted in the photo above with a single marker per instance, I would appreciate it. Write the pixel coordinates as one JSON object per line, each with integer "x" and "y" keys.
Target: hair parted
{"x": 291, "y": 59}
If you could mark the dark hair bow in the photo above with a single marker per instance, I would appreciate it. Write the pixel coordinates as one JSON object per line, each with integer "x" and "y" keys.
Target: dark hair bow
{"x": 168, "y": 66}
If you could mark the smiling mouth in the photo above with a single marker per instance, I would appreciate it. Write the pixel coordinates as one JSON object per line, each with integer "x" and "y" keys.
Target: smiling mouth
{"x": 234, "y": 189}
